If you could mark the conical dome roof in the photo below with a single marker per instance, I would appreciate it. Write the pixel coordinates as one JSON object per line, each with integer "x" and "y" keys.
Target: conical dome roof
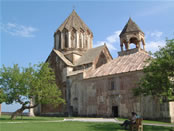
{"x": 74, "y": 21}
{"x": 131, "y": 26}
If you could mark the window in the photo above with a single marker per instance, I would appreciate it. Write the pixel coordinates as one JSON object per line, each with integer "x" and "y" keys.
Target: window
{"x": 73, "y": 34}
{"x": 80, "y": 41}
{"x": 111, "y": 84}
{"x": 59, "y": 40}
{"x": 66, "y": 40}
{"x": 86, "y": 44}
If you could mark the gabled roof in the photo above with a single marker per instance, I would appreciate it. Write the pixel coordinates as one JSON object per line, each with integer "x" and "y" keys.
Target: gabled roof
{"x": 64, "y": 59}
{"x": 74, "y": 21}
{"x": 122, "y": 64}
{"x": 131, "y": 26}
{"x": 90, "y": 55}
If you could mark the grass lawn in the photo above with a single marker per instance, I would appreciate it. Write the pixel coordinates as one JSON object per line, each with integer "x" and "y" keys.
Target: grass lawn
{"x": 149, "y": 121}
{"x": 6, "y": 118}
{"x": 34, "y": 124}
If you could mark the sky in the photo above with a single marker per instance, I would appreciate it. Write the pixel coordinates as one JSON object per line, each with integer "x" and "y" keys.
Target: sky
{"x": 27, "y": 26}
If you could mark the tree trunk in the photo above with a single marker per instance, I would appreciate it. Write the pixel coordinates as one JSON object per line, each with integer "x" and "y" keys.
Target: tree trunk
{"x": 20, "y": 111}
{"x": 17, "y": 112}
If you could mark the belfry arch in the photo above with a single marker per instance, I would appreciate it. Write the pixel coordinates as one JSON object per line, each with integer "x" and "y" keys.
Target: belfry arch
{"x": 131, "y": 34}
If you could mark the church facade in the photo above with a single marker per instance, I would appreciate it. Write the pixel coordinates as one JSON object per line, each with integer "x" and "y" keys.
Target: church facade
{"x": 92, "y": 82}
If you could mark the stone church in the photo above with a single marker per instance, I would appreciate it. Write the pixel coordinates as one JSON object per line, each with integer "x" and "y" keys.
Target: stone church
{"x": 92, "y": 82}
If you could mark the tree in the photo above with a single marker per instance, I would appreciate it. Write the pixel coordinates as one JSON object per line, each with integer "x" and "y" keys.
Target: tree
{"x": 158, "y": 77}
{"x": 20, "y": 85}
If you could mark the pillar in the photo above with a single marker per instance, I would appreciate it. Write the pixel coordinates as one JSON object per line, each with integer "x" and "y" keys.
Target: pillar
{"x": 88, "y": 41}
{"x": 138, "y": 44}
{"x": 31, "y": 110}
{"x": 121, "y": 47}
{"x": 91, "y": 41}
{"x": 0, "y": 109}
{"x": 143, "y": 42}
{"x": 127, "y": 45}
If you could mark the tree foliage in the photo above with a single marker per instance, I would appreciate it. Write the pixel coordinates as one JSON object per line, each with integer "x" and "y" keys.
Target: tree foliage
{"x": 36, "y": 82}
{"x": 158, "y": 77}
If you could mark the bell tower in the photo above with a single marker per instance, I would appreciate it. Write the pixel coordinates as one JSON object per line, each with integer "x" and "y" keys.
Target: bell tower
{"x": 131, "y": 34}
{"x": 73, "y": 37}
{"x": 73, "y": 33}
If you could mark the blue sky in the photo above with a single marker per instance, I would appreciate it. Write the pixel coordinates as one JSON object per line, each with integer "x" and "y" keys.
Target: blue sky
{"x": 27, "y": 27}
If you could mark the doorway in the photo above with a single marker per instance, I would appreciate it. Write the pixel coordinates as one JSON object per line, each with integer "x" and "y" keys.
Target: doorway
{"x": 115, "y": 111}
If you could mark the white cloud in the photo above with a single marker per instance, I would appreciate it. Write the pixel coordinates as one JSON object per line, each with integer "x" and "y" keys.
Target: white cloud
{"x": 109, "y": 45}
{"x": 18, "y": 30}
{"x": 154, "y": 45}
{"x": 154, "y": 41}
{"x": 110, "y": 41}
{"x": 114, "y": 38}
{"x": 156, "y": 34}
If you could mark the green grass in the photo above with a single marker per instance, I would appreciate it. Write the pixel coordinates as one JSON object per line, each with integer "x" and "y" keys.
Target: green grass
{"x": 70, "y": 126}
{"x": 35, "y": 124}
{"x": 6, "y": 118}
{"x": 149, "y": 121}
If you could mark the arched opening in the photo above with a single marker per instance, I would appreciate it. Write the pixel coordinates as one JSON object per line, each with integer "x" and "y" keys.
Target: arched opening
{"x": 59, "y": 40}
{"x": 66, "y": 38}
{"x": 73, "y": 34}
{"x": 134, "y": 41}
{"x": 80, "y": 40}
{"x": 86, "y": 44}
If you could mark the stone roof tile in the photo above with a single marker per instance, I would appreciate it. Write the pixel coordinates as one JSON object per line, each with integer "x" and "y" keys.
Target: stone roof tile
{"x": 131, "y": 26}
{"x": 74, "y": 21}
{"x": 122, "y": 64}
{"x": 89, "y": 55}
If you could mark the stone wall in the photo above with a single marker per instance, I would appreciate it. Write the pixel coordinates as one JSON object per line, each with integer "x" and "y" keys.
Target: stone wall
{"x": 99, "y": 96}
{"x": 96, "y": 97}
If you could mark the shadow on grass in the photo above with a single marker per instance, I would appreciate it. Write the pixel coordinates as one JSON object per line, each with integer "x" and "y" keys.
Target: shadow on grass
{"x": 157, "y": 128}
{"x": 116, "y": 127}
{"x": 106, "y": 127}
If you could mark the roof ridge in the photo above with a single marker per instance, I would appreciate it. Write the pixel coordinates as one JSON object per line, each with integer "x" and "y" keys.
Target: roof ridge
{"x": 63, "y": 57}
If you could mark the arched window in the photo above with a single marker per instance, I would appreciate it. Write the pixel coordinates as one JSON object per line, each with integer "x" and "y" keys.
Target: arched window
{"x": 73, "y": 33}
{"x": 81, "y": 38}
{"x": 86, "y": 44}
{"x": 134, "y": 40}
{"x": 60, "y": 41}
{"x": 66, "y": 39}
{"x": 80, "y": 41}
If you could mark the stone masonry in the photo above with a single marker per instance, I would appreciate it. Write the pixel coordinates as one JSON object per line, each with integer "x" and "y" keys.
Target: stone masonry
{"x": 95, "y": 84}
